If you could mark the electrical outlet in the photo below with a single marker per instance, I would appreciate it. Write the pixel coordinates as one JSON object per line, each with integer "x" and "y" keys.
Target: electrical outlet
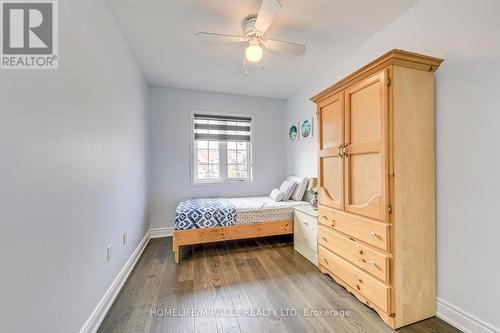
{"x": 124, "y": 238}
{"x": 108, "y": 253}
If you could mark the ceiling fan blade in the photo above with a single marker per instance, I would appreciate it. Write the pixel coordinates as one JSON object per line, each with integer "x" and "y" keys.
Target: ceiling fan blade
{"x": 268, "y": 11}
{"x": 285, "y": 47}
{"x": 209, "y": 37}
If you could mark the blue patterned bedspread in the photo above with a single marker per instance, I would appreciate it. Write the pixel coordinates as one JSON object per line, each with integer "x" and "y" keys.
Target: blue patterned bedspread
{"x": 204, "y": 213}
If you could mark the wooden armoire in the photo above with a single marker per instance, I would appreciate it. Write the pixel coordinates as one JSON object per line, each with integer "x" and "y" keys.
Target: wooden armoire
{"x": 376, "y": 216}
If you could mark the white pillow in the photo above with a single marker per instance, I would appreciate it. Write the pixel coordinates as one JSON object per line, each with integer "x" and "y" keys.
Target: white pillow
{"x": 287, "y": 188}
{"x": 277, "y": 195}
{"x": 300, "y": 188}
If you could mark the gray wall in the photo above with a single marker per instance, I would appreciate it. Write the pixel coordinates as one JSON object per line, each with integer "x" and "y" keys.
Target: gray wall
{"x": 72, "y": 174}
{"x": 465, "y": 34}
{"x": 170, "y": 128}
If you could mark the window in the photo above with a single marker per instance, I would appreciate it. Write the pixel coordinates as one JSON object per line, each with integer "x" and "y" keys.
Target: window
{"x": 222, "y": 148}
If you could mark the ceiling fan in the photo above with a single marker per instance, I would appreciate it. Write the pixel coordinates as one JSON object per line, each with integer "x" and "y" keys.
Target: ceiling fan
{"x": 254, "y": 36}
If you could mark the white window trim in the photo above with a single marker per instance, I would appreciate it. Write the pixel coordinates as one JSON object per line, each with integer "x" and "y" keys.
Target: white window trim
{"x": 220, "y": 181}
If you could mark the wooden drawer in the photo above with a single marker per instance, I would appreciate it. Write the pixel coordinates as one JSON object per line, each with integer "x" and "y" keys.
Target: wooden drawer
{"x": 305, "y": 230}
{"x": 372, "y": 261}
{"x": 373, "y": 290}
{"x": 369, "y": 231}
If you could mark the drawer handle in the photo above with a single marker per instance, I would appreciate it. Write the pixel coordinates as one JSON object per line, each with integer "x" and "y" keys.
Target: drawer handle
{"x": 333, "y": 225}
{"x": 324, "y": 259}
{"x": 372, "y": 263}
{"x": 324, "y": 217}
{"x": 324, "y": 238}
{"x": 373, "y": 234}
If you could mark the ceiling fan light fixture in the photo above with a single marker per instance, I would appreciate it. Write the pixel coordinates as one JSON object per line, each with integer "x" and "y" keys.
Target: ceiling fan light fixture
{"x": 254, "y": 53}
{"x": 254, "y": 38}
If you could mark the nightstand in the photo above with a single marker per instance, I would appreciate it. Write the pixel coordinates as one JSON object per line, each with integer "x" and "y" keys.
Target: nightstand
{"x": 305, "y": 232}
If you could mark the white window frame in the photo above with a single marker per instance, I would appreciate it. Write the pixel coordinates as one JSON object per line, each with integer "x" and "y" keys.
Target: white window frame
{"x": 222, "y": 154}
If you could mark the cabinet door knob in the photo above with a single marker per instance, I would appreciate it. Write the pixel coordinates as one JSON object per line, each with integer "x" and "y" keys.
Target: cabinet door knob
{"x": 344, "y": 150}
{"x": 373, "y": 234}
{"x": 372, "y": 263}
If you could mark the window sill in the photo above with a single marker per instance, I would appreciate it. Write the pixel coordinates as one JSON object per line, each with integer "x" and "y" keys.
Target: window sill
{"x": 221, "y": 182}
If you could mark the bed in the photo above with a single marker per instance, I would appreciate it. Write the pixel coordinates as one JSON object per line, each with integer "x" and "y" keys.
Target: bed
{"x": 210, "y": 220}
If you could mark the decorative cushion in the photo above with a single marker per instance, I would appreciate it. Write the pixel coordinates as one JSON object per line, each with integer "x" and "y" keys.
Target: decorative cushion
{"x": 300, "y": 188}
{"x": 277, "y": 195}
{"x": 287, "y": 188}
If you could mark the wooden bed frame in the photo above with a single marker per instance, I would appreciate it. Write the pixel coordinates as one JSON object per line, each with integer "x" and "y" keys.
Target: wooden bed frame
{"x": 237, "y": 231}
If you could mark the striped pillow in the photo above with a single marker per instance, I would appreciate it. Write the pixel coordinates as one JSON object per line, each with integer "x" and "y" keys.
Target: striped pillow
{"x": 287, "y": 188}
{"x": 300, "y": 189}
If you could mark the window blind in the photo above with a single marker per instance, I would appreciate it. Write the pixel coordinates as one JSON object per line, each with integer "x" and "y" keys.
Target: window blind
{"x": 222, "y": 128}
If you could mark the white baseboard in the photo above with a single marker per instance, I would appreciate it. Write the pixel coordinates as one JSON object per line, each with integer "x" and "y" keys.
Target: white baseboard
{"x": 107, "y": 300}
{"x": 100, "y": 311}
{"x": 162, "y": 232}
{"x": 462, "y": 319}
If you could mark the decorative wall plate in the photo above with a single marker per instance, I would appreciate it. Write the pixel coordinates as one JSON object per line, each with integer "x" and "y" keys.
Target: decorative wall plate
{"x": 306, "y": 129}
{"x": 293, "y": 133}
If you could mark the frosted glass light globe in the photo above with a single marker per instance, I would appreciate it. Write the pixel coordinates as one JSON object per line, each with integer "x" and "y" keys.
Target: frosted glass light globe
{"x": 254, "y": 53}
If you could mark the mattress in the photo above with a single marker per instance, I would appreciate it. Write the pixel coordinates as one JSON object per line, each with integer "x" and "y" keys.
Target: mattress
{"x": 222, "y": 212}
{"x": 263, "y": 209}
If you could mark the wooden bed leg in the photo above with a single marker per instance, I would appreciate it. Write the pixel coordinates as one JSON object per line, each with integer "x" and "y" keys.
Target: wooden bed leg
{"x": 176, "y": 255}
{"x": 176, "y": 248}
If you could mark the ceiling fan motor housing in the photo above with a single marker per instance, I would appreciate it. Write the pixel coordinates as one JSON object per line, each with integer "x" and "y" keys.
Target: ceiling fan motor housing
{"x": 248, "y": 26}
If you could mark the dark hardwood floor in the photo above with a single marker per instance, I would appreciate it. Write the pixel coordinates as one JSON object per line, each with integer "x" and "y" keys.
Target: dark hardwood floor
{"x": 241, "y": 286}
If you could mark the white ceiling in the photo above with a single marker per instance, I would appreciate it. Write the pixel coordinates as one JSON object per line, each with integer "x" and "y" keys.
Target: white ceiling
{"x": 161, "y": 34}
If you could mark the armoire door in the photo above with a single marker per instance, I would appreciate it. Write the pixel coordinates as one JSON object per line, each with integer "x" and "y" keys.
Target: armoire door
{"x": 331, "y": 161}
{"x": 366, "y": 136}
